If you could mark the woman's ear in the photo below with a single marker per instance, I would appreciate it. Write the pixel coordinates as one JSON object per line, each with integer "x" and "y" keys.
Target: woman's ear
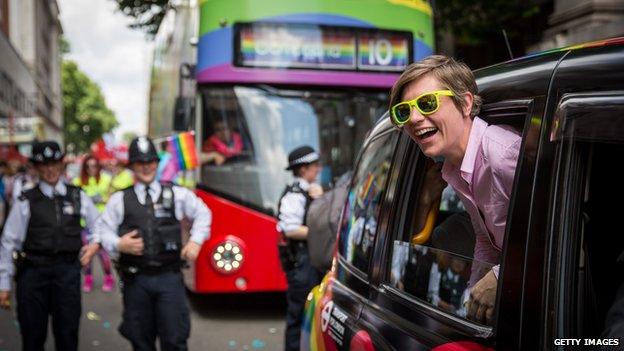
{"x": 467, "y": 108}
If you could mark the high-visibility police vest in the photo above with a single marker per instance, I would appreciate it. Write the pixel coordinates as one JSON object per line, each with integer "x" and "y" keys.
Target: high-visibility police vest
{"x": 98, "y": 191}
{"x": 54, "y": 225}
{"x": 121, "y": 181}
{"x": 158, "y": 226}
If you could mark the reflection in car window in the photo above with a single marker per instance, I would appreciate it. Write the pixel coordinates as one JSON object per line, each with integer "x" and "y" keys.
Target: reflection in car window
{"x": 359, "y": 220}
{"x": 441, "y": 270}
{"x": 437, "y": 276}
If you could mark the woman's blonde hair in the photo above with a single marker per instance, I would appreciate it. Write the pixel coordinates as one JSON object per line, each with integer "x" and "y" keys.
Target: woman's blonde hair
{"x": 453, "y": 75}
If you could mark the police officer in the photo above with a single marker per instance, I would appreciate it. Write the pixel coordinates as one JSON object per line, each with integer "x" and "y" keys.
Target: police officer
{"x": 140, "y": 227}
{"x": 42, "y": 234}
{"x": 293, "y": 207}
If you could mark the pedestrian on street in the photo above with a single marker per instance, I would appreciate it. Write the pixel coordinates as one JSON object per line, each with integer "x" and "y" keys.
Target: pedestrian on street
{"x": 140, "y": 227}
{"x": 294, "y": 256}
{"x": 121, "y": 177}
{"x": 96, "y": 184}
{"x": 42, "y": 236}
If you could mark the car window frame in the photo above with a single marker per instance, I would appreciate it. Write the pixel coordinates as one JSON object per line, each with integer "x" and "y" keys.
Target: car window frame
{"x": 572, "y": 148}
{"x": 382, "y": 129}
{"x": 413, "y": 159}
{"x": 590, "y": 109}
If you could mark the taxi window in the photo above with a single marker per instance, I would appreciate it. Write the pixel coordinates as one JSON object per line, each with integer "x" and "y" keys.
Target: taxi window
{"x": 591, "y": 269}
{"x": 447, "y": 248}
{"x": 361, "y": 213}
{"x": 440, "y": 271}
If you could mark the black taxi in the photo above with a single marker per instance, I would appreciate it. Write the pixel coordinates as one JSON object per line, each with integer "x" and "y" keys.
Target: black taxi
{"x": 561, "y": 264}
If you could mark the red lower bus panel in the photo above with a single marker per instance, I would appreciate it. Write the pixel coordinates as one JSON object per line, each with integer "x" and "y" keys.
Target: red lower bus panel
{"x": 255, "y": 234}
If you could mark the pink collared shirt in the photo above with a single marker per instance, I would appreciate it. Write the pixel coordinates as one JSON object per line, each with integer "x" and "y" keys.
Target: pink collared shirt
{"x": 484, "y": 182}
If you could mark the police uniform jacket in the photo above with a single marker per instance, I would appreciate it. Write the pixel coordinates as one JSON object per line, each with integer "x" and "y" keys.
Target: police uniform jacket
{"x": 116, "y": 220}
{"x": 45, "y": 220}
{"x": 293, "y": 206}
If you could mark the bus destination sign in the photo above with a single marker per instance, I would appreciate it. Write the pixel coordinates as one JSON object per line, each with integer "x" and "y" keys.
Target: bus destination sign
{"x": 321, "y": 47}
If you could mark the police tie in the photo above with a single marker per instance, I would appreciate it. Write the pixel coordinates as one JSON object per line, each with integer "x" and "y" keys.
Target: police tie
{"x": 149, "y": 238}
{"x": 149, "y": 203}
{"x": 58, "y": 206}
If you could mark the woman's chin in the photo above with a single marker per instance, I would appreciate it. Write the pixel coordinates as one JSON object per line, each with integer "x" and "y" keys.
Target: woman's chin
{"x": 430, "y": 152}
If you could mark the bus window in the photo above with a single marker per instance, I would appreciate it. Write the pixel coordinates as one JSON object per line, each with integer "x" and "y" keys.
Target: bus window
{"x": 225, "y": 139}
{"x": 248, "y": 132}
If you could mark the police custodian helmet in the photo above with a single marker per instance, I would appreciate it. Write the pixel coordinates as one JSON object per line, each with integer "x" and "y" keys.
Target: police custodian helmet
{"x": 46, "y": 151}
{"x": 302, "y": 155}
{"x": 142, "y": 149}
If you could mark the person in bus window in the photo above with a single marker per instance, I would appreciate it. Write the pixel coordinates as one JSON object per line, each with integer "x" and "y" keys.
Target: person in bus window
{"x": 435, "y": 102}
{"x": 223, "y": 144}
{"x": 293, "y": 207}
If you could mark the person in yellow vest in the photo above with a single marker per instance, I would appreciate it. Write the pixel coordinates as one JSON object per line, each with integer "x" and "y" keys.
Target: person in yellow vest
{"x": 96, "y": 184}
{"x": 121, "y": 177}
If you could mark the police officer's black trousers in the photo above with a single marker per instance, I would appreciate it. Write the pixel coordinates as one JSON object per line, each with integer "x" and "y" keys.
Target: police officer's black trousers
{"x": 301, "y": 279}
{"x": 155, "y": 305}
{"x": 51, "y": 290}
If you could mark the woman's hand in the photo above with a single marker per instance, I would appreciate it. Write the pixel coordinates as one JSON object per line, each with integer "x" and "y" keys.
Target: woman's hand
{"x": 482, "y": 299}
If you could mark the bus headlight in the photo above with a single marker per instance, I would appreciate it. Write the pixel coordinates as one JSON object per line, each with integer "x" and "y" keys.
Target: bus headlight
{"x": 227, "y": 257}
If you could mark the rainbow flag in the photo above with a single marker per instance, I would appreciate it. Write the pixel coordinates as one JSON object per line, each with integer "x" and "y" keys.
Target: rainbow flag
{"x": 183, "y": 151}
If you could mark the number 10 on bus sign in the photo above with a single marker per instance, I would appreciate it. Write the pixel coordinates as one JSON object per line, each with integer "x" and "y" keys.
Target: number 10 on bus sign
{"x": 382, "y": 52}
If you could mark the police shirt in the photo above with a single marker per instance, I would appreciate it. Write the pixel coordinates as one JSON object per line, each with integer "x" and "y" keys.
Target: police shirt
{"x": 292, "y": 208}
{"x": 16, "y": 226}
{"x": 22, "y": 183}
{"x": 187, "y": 204}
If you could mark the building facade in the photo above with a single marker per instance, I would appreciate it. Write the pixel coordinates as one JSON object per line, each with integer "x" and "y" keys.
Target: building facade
{"x": 579, "y": 21}
{"x": 30, "y": 72}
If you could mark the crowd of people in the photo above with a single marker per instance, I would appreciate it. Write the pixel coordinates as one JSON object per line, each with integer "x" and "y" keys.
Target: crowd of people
{"x": 54, "y": 223}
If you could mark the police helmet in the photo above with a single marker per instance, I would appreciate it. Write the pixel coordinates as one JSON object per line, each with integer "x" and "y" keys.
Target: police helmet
{"x": 302, "y": 155}
{"x": 46, "y": 151}
{"x": 142, "y": 149}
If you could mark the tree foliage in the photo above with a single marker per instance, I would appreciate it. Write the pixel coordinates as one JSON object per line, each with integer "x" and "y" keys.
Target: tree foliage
{"x": 477, "y": 28}
{"x": 147, "y": 14}
{"x": 86, "y": 116}
{"x": 128, "y": 136}
{"x": 477, "y": 21}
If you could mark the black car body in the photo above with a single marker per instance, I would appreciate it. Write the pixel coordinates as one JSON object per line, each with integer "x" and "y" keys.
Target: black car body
{"x": 559, "y": 263}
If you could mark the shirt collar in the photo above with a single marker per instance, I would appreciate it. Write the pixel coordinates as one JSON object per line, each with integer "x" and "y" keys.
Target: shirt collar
{"x": 48, "y": 190}
{"x": 303, "y": 184}
{"x": 154, "y": 187}
{"x": 474, "y": 141}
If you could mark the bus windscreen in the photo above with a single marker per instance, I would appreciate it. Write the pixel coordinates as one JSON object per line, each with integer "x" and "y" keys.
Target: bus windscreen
{"x": 254, "y": 127}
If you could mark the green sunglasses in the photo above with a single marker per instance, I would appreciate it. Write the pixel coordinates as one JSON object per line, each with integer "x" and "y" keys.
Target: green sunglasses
{"x": 426, "y": 104}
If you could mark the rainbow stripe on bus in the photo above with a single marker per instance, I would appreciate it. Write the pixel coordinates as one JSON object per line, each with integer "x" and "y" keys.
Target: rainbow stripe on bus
{"x": 217, "y": 30}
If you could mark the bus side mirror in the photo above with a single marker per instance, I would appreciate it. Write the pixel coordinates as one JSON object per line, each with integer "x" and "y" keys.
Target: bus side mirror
{"x": 183, "y": 113}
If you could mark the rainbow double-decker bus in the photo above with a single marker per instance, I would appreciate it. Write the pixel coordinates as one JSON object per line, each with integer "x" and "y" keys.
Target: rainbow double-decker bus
{"x": 256, "y": 78}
